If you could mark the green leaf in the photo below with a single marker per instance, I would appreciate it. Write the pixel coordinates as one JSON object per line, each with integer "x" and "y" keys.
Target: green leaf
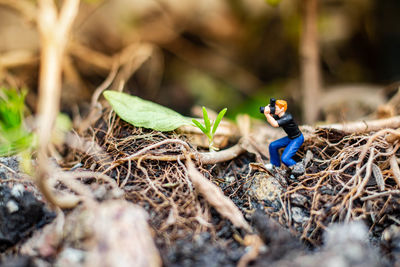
{"x": 198, "y": 124}
{"x": 207, "y": 122}
{"x": 143, "y": 113}
{"x": 218, "y": 120}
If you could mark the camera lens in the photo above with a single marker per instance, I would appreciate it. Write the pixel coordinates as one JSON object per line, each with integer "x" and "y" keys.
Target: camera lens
{"x": 262, "y": 109}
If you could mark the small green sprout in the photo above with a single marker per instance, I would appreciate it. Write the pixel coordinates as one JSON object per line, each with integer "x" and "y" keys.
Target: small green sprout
{"x": 206, "y": 128}
{"x": 14, "y": 137}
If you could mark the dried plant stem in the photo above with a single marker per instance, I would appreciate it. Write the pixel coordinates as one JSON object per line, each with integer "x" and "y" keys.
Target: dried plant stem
{"x": 203, "y": 157}
{"x": 221, "y": 156}
{"x": 54, "y": 31}
{"x": 365, "y": 126}
{"x": 367, "y": 174}
{"x": 216, "y": 198}
{"x": 255, "y": 242}
{"x": 310, "y": 66}
{"x": 379, "y": 195}
{"x": 168, "y": 141}
{"x": 372, "y": 139}
{"x": 395, "y": 169}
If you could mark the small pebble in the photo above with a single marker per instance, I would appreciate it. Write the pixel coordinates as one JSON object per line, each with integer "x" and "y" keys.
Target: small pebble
{"x": 298, "y": 199}
{"x": 71, "y": 257}
{"x": 17, "y": 190}
{"x": 12, "y": 206}
{"x": 299, "y": 216}
{"x": 230, "y": 179}
{"x": 100, "y": 192}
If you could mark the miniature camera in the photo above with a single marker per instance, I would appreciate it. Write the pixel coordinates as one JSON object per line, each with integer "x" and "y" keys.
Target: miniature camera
{"x": 272, "y": 102}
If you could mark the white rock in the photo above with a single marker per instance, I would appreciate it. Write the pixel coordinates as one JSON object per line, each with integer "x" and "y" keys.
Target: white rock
{"x": 70, "y": 257}
{"x": 12, "y": 206}
{"x": 298, "y": 215}
{"x": 17, "y": 190}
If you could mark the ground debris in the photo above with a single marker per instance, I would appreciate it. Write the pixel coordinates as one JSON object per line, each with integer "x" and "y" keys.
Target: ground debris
{"x": 188, "y": 230}
{"x": 342, "y": 183}
{"x": 162, "y": 188}
{"x": 20, "y": 214}
{"x": 121, "y": 234}
{"x": 97, "y": 234}
{"x": 202, "y": 250}
{"x": 345, "y": 245}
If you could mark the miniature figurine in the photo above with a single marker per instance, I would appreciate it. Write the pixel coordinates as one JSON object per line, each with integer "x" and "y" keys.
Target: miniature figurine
{"x": 277, "y": 116}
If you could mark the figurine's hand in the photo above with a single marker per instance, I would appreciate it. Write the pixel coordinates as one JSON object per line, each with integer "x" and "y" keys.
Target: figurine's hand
{"x": 267, "y": 110}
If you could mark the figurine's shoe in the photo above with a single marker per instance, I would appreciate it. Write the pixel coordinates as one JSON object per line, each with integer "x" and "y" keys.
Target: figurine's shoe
{"x": 270, "y": 167}
{"x": 298, "y": 169}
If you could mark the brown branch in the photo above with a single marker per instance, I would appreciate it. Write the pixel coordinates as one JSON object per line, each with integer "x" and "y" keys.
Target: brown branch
{"x": 371, "y": 140}
{"x": 383, "y": 194}
{"x": 54, "y": 33}
{"x": 221, "y": 156}
{"x": 96, "y": 59}
{"x": 255, "y": 243}
{"x": 364, "y": 182}
{"x": 365, "y": 126}
{"x": 309, "y": 58}
{"x": 17, "y": 58}
{"x": 216, "y": 198}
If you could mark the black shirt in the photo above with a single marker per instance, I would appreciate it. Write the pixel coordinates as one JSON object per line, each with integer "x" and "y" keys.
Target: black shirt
{"x": 289, "y": 125}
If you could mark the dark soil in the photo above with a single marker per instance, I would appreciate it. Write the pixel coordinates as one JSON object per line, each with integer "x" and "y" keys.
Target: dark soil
{"x": 20, "y": 214}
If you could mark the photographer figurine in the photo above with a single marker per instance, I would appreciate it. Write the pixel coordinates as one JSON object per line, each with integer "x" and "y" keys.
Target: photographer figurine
{"x": 276, "y": 115}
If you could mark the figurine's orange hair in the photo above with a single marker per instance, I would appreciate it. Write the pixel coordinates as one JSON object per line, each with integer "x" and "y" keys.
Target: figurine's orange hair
{"x": 282, "y": 104}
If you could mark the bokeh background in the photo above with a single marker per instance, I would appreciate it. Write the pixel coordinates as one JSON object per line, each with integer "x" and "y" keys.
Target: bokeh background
{"x": 217, "y": 53}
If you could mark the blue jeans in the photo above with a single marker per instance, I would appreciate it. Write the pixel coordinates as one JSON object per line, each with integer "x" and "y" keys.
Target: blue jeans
{"x": 292, "y": 145}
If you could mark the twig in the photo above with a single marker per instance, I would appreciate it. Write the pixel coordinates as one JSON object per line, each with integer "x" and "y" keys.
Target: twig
{"x": 382, "y": 194}
{"x": 365, "y": 126}
{"x": 216, "y": 198}
{"x": 17, "y": 58}
{"x": 364, "y": 182}
{"x": 310, "y": 67}
{"x": 395, "y": 168}
{"x": 107, "y": 82}
{"x": 96, "y": 59}
{"x": 54, "y": 32}
{"x": 221, "y": 156}
{"x": 255, "y": 243}
{"x": 142, "y": 151}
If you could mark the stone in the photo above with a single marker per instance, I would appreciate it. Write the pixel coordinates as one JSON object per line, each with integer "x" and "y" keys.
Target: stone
{"x": 12, "y": 206}
{"x": 70, "y": 257}
{"x": 299, "y": 215}
{"x": 298, "y": 199}
{"x": 265, "y": 188}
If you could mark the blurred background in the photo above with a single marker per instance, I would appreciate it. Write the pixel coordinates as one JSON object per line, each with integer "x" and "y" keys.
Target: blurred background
{"x": 219, "y": 53}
